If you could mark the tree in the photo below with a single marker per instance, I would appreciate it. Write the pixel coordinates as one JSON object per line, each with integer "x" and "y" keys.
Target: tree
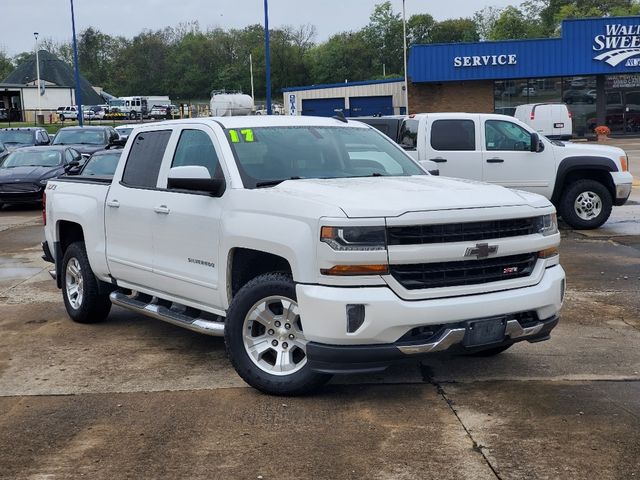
{"x": 345, "y": 56}
{"x": 6, "y": 67}
{"x": 512, "y": 24}
{"x": 455, "y": 30}
{"x": 419, "y": 28}
{"x": 384, "y": 34}
{"x": 485, "y": 19}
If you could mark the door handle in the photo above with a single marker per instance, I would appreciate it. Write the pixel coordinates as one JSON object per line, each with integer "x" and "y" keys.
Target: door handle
{"x": 113, "y": 203}
{"x": 162, "y": 209}
{"x": 495, "y": 160}
{"x": 438, "y": 160}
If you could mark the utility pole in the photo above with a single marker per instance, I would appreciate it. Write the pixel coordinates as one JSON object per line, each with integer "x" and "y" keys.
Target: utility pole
{"x": 404, "y": 42}
{"x": 35, "y": 34}
{"x": 267, "y": 55}
{"x": 251, "y": 71}
{"x": 77, "y": 69}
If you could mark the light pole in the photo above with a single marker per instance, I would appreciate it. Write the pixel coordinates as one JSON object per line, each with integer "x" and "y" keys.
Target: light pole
{"x": 77, "y": 69}
{"x": 251, "y": 72}
{"x": 35, "y": 34}
{"x": 404, "y": 42}
{"x": 267, "y": 55}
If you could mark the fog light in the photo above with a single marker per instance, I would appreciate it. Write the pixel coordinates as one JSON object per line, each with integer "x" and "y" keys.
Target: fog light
{"x": 355, "y": 317}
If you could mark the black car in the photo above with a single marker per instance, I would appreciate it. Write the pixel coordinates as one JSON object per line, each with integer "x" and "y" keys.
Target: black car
{"x": 102, "y": 163}
{"x": 86, "y": 140}
{"x": 24, "y": 172}
{"x": 24, "y": 137}
{"x": 4, "y": 151}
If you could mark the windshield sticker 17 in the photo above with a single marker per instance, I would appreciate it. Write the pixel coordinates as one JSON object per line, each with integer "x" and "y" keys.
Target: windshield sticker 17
{"x": 246, "y": 134}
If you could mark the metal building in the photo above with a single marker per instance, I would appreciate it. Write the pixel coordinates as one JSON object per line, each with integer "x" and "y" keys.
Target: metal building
{"x": 354, "y": 99}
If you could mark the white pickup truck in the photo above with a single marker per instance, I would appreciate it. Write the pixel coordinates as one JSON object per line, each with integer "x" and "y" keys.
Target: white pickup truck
{"x": 583, "y": 180}
{"x": 314, "y": 246}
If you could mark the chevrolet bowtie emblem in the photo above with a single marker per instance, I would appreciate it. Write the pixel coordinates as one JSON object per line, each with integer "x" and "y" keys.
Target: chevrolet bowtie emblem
{"x": 481, "y": 250}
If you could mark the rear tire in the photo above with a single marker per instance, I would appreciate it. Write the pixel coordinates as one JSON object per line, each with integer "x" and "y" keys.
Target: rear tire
{"x": 82, "y": 299}
{"x": 585, "y": 204}
{"x": 265, "y": 340}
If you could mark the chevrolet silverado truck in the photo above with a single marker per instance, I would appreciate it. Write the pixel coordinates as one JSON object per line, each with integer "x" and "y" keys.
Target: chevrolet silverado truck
{"x": 315, "y": 246}
{"x": 582, "y": 180}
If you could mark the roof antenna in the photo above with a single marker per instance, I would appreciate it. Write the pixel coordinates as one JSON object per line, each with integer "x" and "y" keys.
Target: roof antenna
{"x": 340, "y": 116}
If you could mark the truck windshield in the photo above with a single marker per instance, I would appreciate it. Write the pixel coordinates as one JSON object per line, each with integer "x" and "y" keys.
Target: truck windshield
{"x": 79, "y": 137}
{"x": 269, "y": 155}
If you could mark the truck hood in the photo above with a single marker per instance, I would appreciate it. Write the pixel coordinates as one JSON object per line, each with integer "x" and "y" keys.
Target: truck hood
{"x": 394, "y": 196}
{"x": 571, "y": 149}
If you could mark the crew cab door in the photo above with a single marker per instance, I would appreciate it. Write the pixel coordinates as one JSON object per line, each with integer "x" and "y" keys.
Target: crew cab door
{"x": 453, "y": 144}
{"x": 509, "y": 161}
{"x": 186, "y": 224}
{"x": 129, "y": 210}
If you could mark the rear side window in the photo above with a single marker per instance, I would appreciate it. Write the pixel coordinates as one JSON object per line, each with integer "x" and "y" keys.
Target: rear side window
{"x": 195, "y": 149}
{"x": 145, "y": 158}
{"x": 409, "y": 135}
{"x": 453, "y": 135}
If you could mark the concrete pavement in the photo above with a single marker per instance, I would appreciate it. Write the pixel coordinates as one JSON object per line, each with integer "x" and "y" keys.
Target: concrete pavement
{"x": 137, "y": 398}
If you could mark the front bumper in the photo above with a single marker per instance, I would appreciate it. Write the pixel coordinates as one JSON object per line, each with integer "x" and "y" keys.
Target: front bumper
{"x": 387, "y": 317}
{"x": 366, "y": 358}
{"x": 623, "y": 181}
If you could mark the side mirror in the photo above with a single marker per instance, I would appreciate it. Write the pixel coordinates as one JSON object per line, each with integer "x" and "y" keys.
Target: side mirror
{"x": 536, "y": 144}
{"x": 72, "y": 165}
{"x": 197, "y": 179}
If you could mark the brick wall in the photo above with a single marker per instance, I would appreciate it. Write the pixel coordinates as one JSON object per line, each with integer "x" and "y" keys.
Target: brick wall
{"x": 451, "y": 97}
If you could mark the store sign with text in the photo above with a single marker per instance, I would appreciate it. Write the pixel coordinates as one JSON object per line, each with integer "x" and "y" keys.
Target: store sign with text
{"x": 485, "y": 60}
{"x": 619, "y": 43}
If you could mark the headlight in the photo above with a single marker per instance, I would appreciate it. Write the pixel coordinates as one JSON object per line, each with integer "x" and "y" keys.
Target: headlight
{"x": 44, "y": 181}
{"x": 354, "y": 238}
{"x": 548, "y": 224}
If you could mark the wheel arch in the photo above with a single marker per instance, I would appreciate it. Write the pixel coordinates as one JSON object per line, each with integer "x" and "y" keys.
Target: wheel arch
{"x": 245, "y": 264}
{"x": 584, "y": 167}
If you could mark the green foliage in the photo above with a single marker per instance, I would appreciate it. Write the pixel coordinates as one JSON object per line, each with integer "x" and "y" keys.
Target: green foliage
{"x": 513, "y": 24}
{"x": 346, "y": 56}
{"x": 419, "y": 28}
{"x": 455, "y": 30}
{"x": 6, "y": 67}
{"x": 384, "y": 35}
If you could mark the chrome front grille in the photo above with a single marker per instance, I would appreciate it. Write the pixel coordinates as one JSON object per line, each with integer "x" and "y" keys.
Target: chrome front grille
{"x": 462, "y": 232}
{"x": 466, "y": 272}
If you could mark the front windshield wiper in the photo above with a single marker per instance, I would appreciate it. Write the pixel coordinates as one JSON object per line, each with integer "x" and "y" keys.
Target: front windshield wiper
{"x": 273, "y": 183}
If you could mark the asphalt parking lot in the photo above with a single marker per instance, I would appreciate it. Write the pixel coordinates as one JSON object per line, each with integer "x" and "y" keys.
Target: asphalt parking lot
{"x": 137, "y": 398}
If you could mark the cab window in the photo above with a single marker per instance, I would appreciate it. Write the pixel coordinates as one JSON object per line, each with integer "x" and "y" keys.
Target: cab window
{"x": 506, "y": 136}
{"x": 196, "y": 149}
{"x": 453, "y": 135}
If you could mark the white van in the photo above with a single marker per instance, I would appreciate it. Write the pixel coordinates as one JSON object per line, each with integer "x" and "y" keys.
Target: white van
{"x": 553, "y": 120}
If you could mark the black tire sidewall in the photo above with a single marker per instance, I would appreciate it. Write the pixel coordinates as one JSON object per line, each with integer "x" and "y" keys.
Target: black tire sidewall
{"x": 95, "y": 306}
{"x": 567, "y": 210}
{"x": 263, "y": 286}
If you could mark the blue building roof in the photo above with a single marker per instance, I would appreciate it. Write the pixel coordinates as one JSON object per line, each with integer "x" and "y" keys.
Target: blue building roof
{"x": 609, "y": 45}
{"x": 342, "y": 84}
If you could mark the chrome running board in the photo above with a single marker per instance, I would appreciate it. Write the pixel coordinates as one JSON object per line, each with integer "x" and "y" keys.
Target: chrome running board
{"x": 175, "y": 314}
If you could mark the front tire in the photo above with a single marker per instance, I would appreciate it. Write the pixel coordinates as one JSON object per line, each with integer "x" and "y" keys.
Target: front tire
{"x": 82, "y": 299}
{"x": 585, "y": 204}
{"x": 265, "y": 339}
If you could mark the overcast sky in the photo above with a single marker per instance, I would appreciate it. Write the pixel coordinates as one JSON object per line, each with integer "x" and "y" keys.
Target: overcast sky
{"x": 52, "y": 18}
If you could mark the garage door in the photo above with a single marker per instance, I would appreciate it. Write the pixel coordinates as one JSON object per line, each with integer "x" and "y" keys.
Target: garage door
{"x": 365, "y": 106}
{"x": 322, "y": 107}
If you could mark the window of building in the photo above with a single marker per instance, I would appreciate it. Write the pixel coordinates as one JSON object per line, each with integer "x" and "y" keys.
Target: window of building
{"x": 453, "y": 135}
